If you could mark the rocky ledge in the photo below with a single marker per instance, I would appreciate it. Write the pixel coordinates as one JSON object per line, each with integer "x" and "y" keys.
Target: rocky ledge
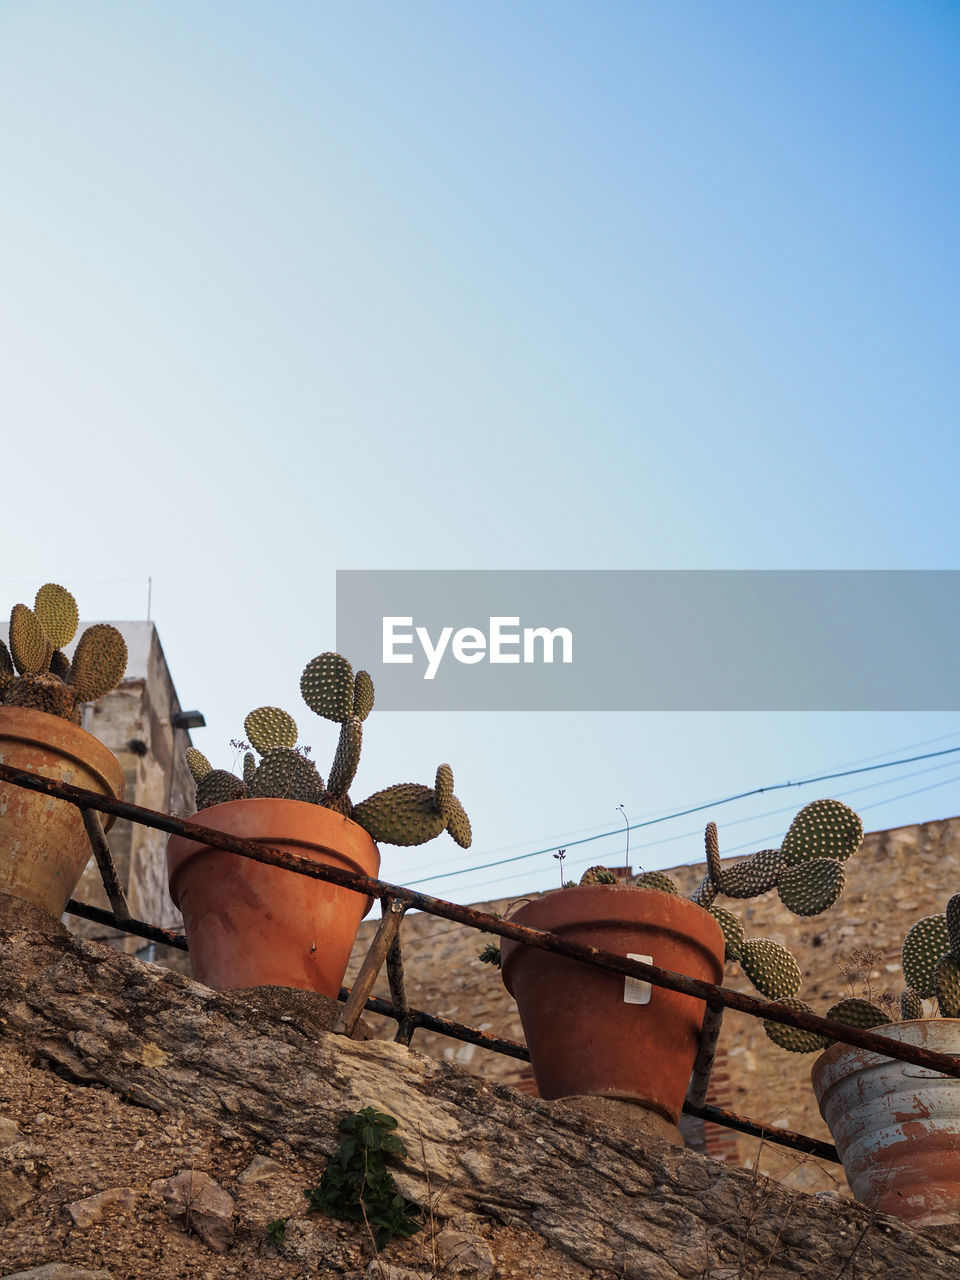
{"x": 150, "y": 1126}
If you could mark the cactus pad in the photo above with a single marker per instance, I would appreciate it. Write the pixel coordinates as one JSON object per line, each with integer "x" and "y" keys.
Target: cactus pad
{"x": 953, "y": 925}
{"x": 947, "y": 978}
{"x": 362, "y": 695}
{"x": 923, "y": 946}
{"x": 443, "y": 789}
{"x": 823, "y": 829}
{"x": 658, "y": 880}
{"x": 7, "y": 673}
{"x": 705, "y": 892}
{"x": 249, "y": 767}
{"x": 712, "y": 843}
{"x": 344, "y": 767}
{"x": 858, "y": 1013}
{"x": 405, "y": 814}
{"x": 284, "y": 774}
{"x": 57, "y": 611}
{"x": 458, "y": 824}
{"x": 270, "y": 727}
{"x": 771, "y": 968}
{"x": 732, "y": 932}
{"x": 59, "y": 664}
{"x": 217, "y": 787}
{"x": 911, "y": 1005}
{"x": 327, "y": 686}
{"x": 197, "y": 763}
{"x": 795, "y": 1039}
{"x": 30, "y": 646}
{"x": 598, "y": 875}
{"x": 99, "y": 662}
{"x": 752, "y": 876}
{"x": 812, "y": 886}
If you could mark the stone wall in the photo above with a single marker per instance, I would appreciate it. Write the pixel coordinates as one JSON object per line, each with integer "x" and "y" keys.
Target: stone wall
{"x": 134, "y": 721}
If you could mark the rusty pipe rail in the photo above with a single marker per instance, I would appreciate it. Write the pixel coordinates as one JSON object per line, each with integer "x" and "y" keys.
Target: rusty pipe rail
{"x": 397, "y": 900}
{"x": 366, "y": 885}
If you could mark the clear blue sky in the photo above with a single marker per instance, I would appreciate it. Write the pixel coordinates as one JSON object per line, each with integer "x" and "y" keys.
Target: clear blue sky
{"x": 300, "y": 287}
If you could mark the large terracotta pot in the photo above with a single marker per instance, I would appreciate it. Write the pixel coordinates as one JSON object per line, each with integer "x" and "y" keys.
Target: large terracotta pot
{"x": 43, "y": 842}
{"x": 590, "y": 1031}
{"x": 896, "y": 1126}
{"x": 251, "y": 925}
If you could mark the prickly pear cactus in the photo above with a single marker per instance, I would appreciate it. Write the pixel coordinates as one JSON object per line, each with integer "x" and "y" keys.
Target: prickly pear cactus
{"x": 36, "y": 673}
{"x": 30, "y": 646}
{"x": 7, "y": 673}
{"x": 406, "y": 814}
{"x": 770, "y": 967}
{"x": 99, "y": 662}
{"x": 443, "y": 789}
{"x": 658, "y": 880}
{"x": 598, "y": 875}
{"x": 458, "y": 824}
{"x": 795, "y": 1039}
{"x": 57, "y": 613}
{"x": 753, "y": 876}
{"x": 284, "y": 774}
{"x": 930, "y": 959}
{"x": 858, "y": 1013}
{"x": 823, "y": 829}
{"x": 270, "y": 727}
{"x": 807, "y": 888}
{"x": 911, "y": 1005}
{"x": 362, "y": 694}
{"x": 218, "y": 787}
{"x": 732, "y": 932}
{"x": 327, "y": 686}
{"x": 923, "y": 946}
{"x": 197, "y": 763}
{"x": 347, "y": 758}
{"x": 705, "y": 892}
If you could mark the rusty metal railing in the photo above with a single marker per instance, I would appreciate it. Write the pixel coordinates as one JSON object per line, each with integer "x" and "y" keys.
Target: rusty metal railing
{"x": 385, "y": 949}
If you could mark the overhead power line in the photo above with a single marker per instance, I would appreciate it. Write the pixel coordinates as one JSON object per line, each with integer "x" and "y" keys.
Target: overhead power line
{"x": 697, "y": 808}
{"x": 760, "y": 842}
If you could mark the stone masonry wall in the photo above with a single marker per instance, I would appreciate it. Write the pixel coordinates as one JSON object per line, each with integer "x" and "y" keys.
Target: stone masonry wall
{"x": 134, "y": 721}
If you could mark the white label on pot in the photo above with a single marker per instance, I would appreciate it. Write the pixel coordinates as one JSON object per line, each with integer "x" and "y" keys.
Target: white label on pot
{"x": 635, "y": 990}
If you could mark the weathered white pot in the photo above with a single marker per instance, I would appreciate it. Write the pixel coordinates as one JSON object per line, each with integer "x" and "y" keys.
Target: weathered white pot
{"x": 896, "y": 1126}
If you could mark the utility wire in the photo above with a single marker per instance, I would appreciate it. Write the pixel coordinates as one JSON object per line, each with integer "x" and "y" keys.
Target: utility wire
{"x": 760, "y": 842}
{"x": 697, "y": 808}
{"x": 569, "y": 837}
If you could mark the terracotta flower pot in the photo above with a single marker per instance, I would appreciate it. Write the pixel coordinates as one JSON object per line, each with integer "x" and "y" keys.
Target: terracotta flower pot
{"x": 251, "y": 925}
{"x": 590, "y": 1031}
{"x": 43, "y": 842}
{"x": 896, "y": 1126}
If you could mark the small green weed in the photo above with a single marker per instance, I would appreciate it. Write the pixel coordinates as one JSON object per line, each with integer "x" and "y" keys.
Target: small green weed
{"x": 276, "y": 1231}
{"x": 357, "y": 1186}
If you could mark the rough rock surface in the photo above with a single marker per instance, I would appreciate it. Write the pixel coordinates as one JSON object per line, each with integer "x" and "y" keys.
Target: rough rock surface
{"x": 115, "y": 1074}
